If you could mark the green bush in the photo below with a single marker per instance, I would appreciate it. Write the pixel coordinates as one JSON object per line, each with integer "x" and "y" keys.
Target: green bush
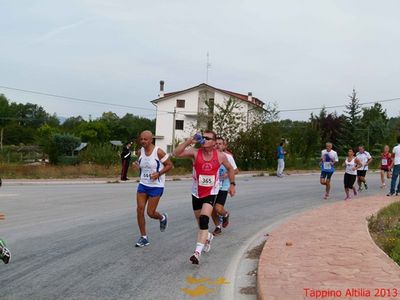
{"x": 102, "y": 154}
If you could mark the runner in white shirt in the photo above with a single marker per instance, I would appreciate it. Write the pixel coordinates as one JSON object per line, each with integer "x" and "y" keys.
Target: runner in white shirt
{"x": 352, "y": 164}
{"x": 365, "y": 159}
{"x": 396, "y": 169}
{"x": 327, "y": 163}
{"x": 219, "y": 215}
{"x": 153, "y": 164}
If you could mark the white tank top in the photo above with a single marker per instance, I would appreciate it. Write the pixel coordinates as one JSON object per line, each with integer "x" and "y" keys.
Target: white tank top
{"x": 350, "y": 165}
{"x": 149, "y": 165}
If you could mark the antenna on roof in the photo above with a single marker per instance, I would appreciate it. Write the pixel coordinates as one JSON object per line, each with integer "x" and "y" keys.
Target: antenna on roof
{"x": 208, "y": 66}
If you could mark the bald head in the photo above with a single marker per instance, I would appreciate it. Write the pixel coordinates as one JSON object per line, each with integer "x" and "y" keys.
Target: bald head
{"x": 147, "y": 133}
{"x": 146, "y": 138}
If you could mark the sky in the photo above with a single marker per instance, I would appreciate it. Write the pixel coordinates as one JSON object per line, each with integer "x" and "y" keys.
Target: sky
{"x": 296, "y": 54}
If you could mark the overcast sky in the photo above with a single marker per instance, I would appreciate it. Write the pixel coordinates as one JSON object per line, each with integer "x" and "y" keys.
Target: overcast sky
{"x": 298, "y": 54}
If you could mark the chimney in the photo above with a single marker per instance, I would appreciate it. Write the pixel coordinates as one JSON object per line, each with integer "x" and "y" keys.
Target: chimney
{"x": 250, "y": 96}
{"x": 161, "y": 94}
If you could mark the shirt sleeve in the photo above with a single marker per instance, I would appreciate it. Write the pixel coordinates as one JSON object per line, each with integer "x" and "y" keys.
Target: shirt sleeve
{"x": 232, "y": 161}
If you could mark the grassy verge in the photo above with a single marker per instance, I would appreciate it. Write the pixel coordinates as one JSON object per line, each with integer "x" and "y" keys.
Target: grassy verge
{"x": 11, "y": 171}
{"x": 385, "y": 230}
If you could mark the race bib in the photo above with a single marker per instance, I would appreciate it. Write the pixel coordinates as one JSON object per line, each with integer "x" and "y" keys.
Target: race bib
{"x": 327, "y": 166}
{"x": 384, "y": 162}
{"x": 206, "y": 180}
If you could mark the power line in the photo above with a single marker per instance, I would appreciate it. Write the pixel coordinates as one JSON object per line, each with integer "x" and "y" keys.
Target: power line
{"x": 337, "y": 106}
{"x": 75, "y": 99}
{"x": 171, "y": 112}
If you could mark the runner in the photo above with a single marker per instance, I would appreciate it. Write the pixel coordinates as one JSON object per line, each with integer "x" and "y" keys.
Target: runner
{"x": 220, "y": 215}
{"x": 328, "y": 159}
{"x": 206, "y": 163}
{"x": 352, "y": 164}
{"x": 386, "y": 162}
{"x": 281, "y": 159}
{"x": 153, "y": 163}
{"x": 365, "y": 158}
{"x": 5, "y": 254}
{"x": 396, "y": 169}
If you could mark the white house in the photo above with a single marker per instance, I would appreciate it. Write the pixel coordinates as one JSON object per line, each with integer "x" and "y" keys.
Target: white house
{"x": 177, "y": 112}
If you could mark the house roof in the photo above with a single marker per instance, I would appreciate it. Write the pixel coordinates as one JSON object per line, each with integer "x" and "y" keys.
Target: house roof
{"x": 243, "y": 97}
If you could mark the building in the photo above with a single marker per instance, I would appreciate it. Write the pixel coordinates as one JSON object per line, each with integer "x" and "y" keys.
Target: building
{"x": 178, "y": 112}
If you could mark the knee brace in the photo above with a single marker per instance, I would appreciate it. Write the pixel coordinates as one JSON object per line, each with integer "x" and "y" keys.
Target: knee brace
{"x": 203, "y": 222}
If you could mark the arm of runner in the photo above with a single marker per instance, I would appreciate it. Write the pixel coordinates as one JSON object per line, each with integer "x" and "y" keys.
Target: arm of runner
{"x": 164, "y": 158}
{"x": 231, "y": 173}
{"x": 181, "y": 151}
{"x": 358, "y": 164}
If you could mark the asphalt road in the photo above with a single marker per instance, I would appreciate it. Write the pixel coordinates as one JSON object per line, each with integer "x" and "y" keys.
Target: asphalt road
{"x": 76, "y": 241}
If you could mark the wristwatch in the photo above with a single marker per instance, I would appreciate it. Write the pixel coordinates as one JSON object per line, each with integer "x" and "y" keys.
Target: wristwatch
{"x": 233, "y": 183}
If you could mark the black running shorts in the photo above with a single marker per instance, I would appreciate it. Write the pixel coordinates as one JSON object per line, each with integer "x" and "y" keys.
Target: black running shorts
{"x": 221, "y": 197}
{"x": 361, "y": 173}
{"x": 197, "y": 203}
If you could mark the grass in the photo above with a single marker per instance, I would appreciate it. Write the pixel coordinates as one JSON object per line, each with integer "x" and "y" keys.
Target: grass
{"x": 385, "y": 230}
{"x": 17, "y": 171}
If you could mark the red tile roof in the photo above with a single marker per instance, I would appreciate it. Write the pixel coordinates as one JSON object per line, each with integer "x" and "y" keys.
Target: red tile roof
{"x": 243, "y": 97}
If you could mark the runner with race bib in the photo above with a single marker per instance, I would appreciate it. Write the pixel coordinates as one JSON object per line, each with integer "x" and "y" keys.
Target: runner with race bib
{"x": 327, "y": 163}
{"x": 153, "y": 163}
{"x": 206, "y": 164}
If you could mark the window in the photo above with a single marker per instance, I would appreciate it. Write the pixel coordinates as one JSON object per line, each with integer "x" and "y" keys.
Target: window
{"x": 179, "y": 124}
{"x": 180, "y": 103}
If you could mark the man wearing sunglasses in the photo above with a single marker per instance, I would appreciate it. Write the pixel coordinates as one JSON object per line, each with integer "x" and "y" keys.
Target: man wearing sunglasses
{"x": 220, "y": 215}
{"x": 206, "y": 164}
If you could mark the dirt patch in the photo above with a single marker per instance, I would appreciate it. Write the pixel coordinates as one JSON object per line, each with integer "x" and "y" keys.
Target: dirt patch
{"x": 248, "y": 290}
{"x": 256, "y": 251}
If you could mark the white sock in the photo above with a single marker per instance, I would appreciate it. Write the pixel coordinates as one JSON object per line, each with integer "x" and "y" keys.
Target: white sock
{"x": 144, "y": 236}
{"x": 163, "y": 218}
{"x": 199, "y": 247}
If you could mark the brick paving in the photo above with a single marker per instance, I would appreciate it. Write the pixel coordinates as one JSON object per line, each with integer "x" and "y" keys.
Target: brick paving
{"x": 328, "y": 251}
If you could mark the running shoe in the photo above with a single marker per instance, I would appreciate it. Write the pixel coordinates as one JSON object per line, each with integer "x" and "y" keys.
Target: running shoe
{"x": 347, "y": 198}
{"x": 195, "y": 258}
{"x": 164, "y": 224}
{"x": 383, "y": 185}
{"x": 217, "y": 231}
{"x": 326, "y": 196}
{"x": 207, "y": 246}
{"x": 389, "y": 194}
{"x": 225, "y": 220}
{"x": 142, "y": 242}
{"x": 5, "y": 254}
{"x": 366, "y": 186}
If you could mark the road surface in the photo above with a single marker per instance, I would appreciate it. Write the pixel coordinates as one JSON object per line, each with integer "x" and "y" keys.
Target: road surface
{"x": 77, "y": 241}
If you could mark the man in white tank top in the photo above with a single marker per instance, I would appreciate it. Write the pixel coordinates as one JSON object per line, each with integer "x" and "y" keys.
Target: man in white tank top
{"x": 153, "y": 163}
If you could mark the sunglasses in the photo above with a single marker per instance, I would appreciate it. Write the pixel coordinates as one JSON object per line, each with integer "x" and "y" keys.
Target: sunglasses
{"x": 207, "y": 138}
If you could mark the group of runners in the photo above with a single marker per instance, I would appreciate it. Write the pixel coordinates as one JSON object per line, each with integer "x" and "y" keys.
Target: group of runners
{"x": 214, "y": 172}
{"x": 356, "y": 167}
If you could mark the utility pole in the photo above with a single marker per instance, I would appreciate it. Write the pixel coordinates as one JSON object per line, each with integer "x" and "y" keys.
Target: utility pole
{"x": 173, "y": 130}
{"x": 208, "y": 66}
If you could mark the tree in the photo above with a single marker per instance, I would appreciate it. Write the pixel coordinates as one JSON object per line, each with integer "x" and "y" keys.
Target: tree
{"x": 375, "y": 123}
{"x": 226, "y": 119}
{"x": 352, "y": 132}
{"x": 62, "y": 144}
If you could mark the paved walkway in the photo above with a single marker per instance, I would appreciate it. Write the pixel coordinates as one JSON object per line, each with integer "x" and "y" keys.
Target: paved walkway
{"x": 327, "y": 253}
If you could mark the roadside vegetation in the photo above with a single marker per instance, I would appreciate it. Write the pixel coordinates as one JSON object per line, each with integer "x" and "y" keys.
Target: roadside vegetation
{"x": 31, "y": 138}
{"x": 384, "y": 228}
